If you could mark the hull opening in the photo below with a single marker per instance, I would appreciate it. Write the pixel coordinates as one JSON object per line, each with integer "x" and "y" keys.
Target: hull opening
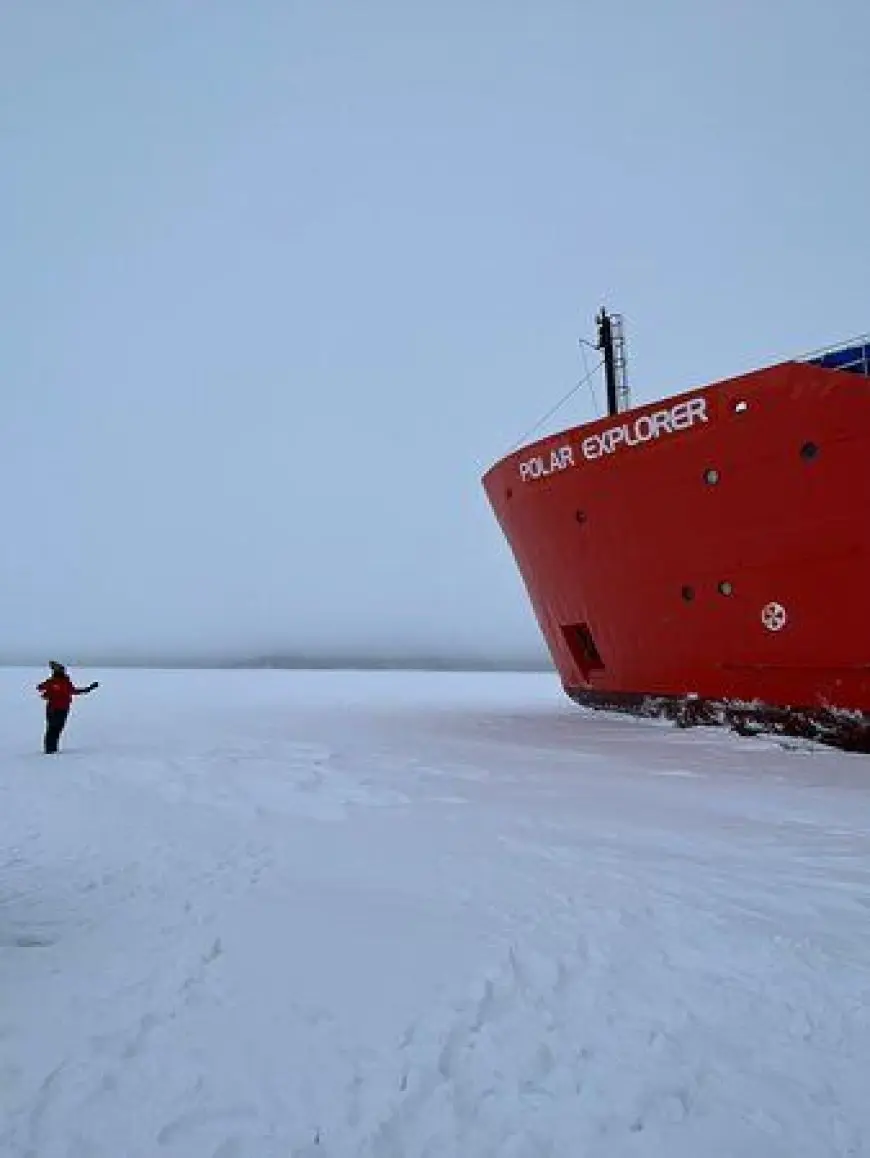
{"x": 579, "y": 641}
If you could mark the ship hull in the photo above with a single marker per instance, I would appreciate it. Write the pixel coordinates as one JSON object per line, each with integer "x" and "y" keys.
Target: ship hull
{"x": 710, "y": 549}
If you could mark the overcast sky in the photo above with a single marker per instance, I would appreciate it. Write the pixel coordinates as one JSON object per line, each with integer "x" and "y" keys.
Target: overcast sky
{"x": 280, "y": 279}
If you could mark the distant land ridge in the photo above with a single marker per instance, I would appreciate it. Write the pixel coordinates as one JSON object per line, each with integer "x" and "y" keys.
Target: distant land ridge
{"x": 295, "y": 661}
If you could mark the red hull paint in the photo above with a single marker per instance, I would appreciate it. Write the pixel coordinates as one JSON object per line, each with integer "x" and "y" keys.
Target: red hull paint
{"x": 665, "y": 570}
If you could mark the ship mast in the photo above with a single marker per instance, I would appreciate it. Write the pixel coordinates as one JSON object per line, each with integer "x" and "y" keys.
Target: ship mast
{"x": 611, "y": 341}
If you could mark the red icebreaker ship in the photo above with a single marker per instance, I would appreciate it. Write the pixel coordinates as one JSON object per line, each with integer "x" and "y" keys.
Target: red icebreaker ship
{"x": 707, "y": 557}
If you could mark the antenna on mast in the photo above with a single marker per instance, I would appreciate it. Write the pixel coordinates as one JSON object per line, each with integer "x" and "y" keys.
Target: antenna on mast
{"x": 611, "y": 341}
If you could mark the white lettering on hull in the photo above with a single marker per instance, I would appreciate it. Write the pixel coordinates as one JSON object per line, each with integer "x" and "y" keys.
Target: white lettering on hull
{"x": 645, "y": 428}
{"x": 543, "y": 465}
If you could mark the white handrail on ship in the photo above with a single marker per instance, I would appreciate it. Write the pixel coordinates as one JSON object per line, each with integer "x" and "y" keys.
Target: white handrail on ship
{"x": 861, "y": 344}
{"x": 861, "y": 340}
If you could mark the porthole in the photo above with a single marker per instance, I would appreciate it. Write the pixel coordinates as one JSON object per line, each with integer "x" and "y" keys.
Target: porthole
{"x": 580, "y": 516}
{"x": 688, "y": 593}
{"x": 726, "y": 587}
{"x": 711, "y": 476}
{"x": 740, "y": 406}
{"x": 809, "y": 450}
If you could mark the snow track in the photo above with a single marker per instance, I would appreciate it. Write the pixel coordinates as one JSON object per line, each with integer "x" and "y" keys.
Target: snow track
{"x": 619, "y": 1049}
{"x": 264, "y": 915}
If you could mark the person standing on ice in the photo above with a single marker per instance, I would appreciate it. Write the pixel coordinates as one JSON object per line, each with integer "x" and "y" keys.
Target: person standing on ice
{"x": 58, "y": 691}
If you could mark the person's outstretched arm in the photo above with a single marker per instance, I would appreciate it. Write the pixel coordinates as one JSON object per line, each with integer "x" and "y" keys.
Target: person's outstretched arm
{"x": 84, "y": 691}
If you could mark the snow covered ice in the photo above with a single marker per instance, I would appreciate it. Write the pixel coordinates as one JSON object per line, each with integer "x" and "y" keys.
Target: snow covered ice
{"x": 286, "y": 914}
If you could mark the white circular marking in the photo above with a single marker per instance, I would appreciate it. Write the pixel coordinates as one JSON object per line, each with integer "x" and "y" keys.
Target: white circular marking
{"x": 773, "y": 616}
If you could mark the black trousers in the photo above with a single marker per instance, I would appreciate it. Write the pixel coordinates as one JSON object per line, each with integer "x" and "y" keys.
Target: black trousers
{"x": 55, "y": 719}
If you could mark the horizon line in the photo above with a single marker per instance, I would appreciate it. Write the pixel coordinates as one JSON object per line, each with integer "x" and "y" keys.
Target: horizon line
{"x": 296, "y": 663}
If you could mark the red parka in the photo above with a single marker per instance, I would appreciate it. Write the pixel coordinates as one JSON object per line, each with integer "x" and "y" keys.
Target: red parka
{"x": 58, "y": 692}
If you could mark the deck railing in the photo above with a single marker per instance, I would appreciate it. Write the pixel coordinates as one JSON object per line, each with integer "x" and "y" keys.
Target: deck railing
{"x": 853, "y": 356}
